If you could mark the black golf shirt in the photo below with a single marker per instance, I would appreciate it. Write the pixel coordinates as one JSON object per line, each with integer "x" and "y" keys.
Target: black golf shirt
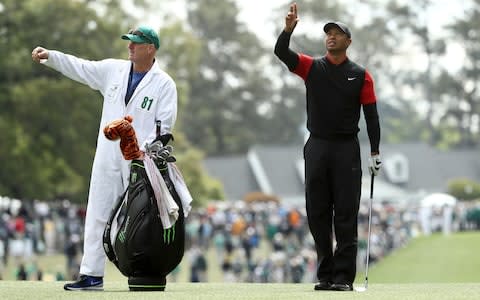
{"x": 335, "y": 94}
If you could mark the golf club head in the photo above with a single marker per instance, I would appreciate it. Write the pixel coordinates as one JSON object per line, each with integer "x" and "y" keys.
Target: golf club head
{"x": 360, "y": 289}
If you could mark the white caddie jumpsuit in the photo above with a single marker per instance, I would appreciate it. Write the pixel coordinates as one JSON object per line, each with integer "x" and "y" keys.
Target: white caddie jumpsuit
{"x": 155, "y": 98}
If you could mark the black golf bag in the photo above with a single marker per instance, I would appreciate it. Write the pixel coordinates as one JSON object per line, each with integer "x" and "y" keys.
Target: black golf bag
{"x": 134, "y": 238}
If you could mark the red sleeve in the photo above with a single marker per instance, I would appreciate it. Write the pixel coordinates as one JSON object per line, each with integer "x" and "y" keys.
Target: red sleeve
{"x": 304, "y": 64}
{"x": 367, "y": 94}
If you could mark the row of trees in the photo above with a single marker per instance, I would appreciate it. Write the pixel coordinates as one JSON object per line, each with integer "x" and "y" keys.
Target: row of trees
{"x": 256, "y": 100}
{"x": 50, "y": 123}
{"x": 233, "y": 92}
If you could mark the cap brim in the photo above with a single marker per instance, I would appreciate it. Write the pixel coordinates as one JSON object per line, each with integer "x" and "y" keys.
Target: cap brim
{"x": 134, "y": 38}
{"x": 330, "y": 25}
{"x": 327, "y": 27}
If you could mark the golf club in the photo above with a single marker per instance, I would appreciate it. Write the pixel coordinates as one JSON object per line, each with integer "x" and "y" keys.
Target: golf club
{"x": 364, "y": 288}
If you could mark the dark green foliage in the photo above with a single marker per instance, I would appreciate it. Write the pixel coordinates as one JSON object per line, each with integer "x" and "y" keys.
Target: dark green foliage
{"x": 464, "y": 189}
{"x": 50, "y": 123}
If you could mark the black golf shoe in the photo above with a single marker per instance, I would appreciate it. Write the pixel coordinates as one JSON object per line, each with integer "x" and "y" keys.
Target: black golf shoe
{"x": 322, "y": 286}
{"x": 344, "y": 287}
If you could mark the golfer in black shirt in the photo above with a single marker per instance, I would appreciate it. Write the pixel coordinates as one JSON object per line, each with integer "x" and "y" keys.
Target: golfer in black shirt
{"x": 337, "y": 89}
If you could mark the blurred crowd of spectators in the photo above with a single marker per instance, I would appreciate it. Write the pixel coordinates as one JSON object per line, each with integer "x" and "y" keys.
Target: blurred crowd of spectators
{"x": 32, "y": 228}
{"x": 244, "y": 242}
{"x": 267, "y": 242}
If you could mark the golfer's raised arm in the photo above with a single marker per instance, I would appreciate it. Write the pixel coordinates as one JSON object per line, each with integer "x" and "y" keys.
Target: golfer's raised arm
{"x": 282, "y": 50}
{"x": 291, "y": 19}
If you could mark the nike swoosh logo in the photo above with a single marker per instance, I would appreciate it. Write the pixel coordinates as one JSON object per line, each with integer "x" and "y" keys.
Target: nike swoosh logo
{"x": 351, "y": 78}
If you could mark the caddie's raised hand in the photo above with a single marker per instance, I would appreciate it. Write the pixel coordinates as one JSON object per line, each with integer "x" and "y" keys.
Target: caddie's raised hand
{"x": 291, "y": 19}
{"x": 374, "y": 164}
{"x": 39, "y": 54}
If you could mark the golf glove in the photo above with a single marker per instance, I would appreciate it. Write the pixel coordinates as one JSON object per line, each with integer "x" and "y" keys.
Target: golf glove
{"x": 374, "y": 164}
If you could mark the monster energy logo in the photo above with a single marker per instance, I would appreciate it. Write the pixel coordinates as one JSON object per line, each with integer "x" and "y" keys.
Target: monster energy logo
{"x": 169, "y": 235}
{"x": 134, "y": 177}
{"x": 122, "y": 234}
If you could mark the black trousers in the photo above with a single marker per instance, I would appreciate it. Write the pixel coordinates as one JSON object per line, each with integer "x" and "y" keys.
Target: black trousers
{"x": 333, "y": 177}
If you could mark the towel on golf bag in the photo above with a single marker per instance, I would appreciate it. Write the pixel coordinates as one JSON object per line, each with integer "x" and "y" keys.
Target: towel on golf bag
{"x": 145, "y": 233}
{"x": 181, "y": 188}
{"x": 167, "y": 207}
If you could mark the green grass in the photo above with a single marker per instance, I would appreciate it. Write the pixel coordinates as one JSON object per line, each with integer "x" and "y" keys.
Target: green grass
{"x": 434, "y": 267}
{"x": 118, "y": 290}
{"x": 435, "y": 259}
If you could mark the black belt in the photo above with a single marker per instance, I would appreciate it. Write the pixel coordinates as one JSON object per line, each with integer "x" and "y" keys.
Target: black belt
{"x": 334, "y": 137}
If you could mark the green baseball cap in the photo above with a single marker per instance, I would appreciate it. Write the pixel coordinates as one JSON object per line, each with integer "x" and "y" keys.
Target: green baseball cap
{"x": 143, "y": 35}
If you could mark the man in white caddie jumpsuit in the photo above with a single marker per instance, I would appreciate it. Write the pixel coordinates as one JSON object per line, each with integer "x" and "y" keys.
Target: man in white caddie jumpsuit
{"x": 136, "y": 87}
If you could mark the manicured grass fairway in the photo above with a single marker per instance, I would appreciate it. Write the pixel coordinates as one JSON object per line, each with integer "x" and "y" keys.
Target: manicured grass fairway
{"x": 436, "y": 258}
{"x": 118, "y": 290}
{"x": 434, "y": 267}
